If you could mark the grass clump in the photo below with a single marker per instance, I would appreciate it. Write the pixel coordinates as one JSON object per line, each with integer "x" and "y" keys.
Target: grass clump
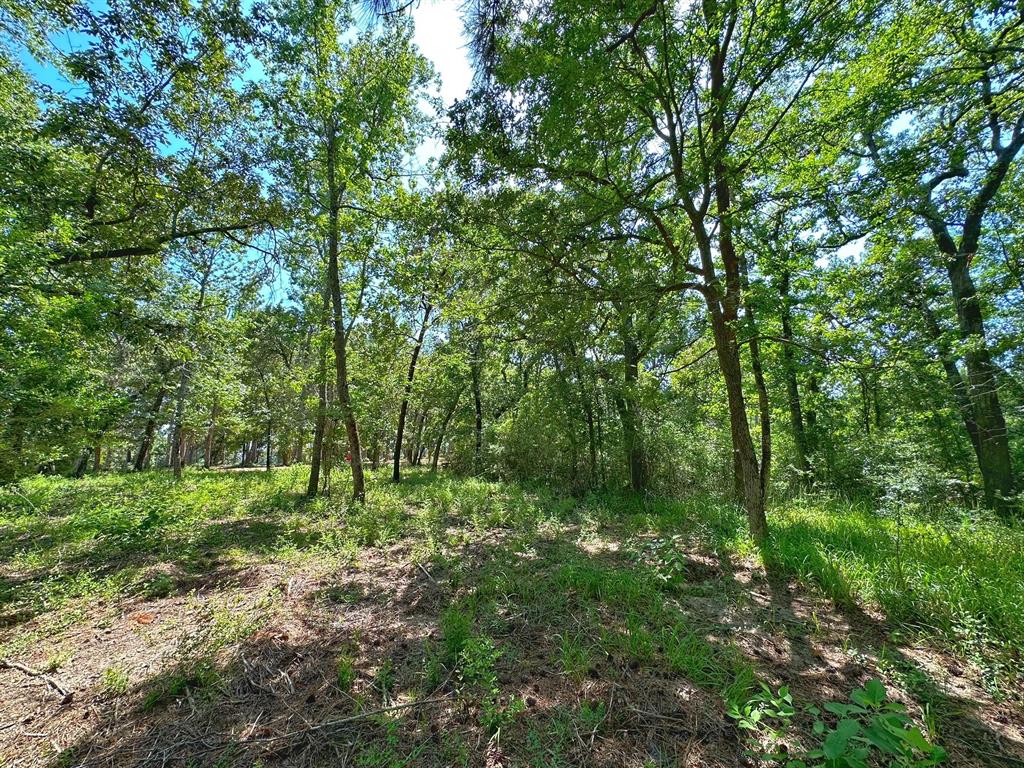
{"x": 960, "y": 578}
{"x": 115, "y": 681}
{"x": 345, "y": 672}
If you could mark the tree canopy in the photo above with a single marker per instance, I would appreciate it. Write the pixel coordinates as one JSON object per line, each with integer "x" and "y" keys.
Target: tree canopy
{"x": 745, "y": 248}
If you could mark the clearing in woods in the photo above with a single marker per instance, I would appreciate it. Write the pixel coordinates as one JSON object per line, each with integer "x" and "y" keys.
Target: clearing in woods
{"x": 224, "y": 621}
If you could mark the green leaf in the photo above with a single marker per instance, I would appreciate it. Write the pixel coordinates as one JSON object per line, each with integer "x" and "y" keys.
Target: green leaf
{"x": 837, "y": 741}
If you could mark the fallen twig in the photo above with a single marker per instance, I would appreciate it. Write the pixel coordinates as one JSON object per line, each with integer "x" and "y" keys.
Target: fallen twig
{"x": 426, "y": 572}
{"x": 65, "y": 694}
{"x": 349, "y": 719}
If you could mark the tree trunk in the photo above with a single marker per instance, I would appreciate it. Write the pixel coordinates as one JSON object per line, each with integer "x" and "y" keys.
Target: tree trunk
{"x": 146, "y": 444}
{"x": 210, "y": 433}
{"x": 269, "y": 446}
{"x": 993, "y": 447}
{"x": 724, "y": 302}
{"x": 340, "y": 331}
{"x": 478, "y": 410}
{"x": 748, "y": 474}
{"x": 444, "y": 428}
{"x": 953, "y": 376}
{"x": 81, "y": 464}
{"x": 396, "y": 474}
{"x": 588, "y": 413}
{"x": 421, "y": 424}
{"x": 796, "y": 416}
{"x": 629, "y": 411}
{"x": 316, "y": 455}
{"x": 178, "y": 433}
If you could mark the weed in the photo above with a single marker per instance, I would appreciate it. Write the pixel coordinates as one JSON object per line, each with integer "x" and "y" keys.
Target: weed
{"x": 433, "y": 667}
{"x": 57, "y": 660}
{"x": 573, "y": 656}
{"x": 195, "y": 675}
{"x": 345, "y": 672}
{"x": 384, "y": 681}
{"x": 115, "y": 681}
{"x": 866, "y": 730}
{"x": 456, "y": 629}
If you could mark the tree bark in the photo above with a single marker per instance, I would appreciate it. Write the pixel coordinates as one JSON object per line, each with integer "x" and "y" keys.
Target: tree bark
{"x": 421, "y": 424}
{"x": 178, "y": 433}
{"x": 475, "y": 373}
{"x": 628, "y": 408}
{"x": 316, "y": 454}
{"x": 396, "y": 474}
{"x": 796, "y": 416}
{"x": 993, "y": 448}
{"x": 146, "y": 444}
{"x": 210, "y": 432}
{"x": 340, "y": 331}
{"x": 178, "y": 445}
{"x": 444, "y": 428}
{"x": 953, "y": 376}
{"x": 269, "y": 454}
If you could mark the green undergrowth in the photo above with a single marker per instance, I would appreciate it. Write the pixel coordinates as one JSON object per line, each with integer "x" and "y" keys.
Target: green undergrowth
{"x": 67, "y": 544}
{"x": 958, "y": 579}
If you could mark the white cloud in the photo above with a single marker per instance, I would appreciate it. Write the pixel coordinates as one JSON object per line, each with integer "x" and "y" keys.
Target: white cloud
{"x": 440, "y": 37}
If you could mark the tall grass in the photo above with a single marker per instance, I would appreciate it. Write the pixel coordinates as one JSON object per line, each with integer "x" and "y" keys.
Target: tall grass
{"x": 961, "y": 578}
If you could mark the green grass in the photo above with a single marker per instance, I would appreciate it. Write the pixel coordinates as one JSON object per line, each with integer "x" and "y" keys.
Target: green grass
{"x": 961, "y": 579}
{"x": 70, "y": 547}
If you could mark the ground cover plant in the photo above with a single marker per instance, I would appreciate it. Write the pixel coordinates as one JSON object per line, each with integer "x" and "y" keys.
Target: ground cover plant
{"x": 460, "y": 621}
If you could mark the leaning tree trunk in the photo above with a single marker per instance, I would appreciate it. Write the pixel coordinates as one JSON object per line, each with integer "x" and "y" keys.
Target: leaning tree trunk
{"x": 993, "y": 447}
{"x": 441, "y": 431}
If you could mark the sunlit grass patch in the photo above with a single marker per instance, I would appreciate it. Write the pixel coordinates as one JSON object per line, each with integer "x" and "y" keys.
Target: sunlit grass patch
{"x": 960, "y": 578}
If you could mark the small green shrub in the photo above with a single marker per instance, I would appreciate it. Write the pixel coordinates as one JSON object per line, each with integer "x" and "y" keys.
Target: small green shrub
{"x": 456, "y": 629}
{"x": 867, "y": 730}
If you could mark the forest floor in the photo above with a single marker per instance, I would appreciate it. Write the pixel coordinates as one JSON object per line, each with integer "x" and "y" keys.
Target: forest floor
{"x": 224, "y": 621}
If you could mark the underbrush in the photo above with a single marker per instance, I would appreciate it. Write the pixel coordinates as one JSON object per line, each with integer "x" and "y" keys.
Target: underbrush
{"x": 598, "y": 584}
{"x": 960, "y": 579}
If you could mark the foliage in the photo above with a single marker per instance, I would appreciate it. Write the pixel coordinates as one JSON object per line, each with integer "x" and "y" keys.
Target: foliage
{"x": 867, "y": 728}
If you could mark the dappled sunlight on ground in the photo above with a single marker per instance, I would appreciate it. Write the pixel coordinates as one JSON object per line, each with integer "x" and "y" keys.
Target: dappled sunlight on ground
{"x": 450, "y": 622}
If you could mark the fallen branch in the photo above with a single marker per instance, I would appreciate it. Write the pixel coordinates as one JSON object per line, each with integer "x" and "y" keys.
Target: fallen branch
{"x": 426, "y": 572}
{"x": 344, "y": 720}
{"x": 65, "y": 694}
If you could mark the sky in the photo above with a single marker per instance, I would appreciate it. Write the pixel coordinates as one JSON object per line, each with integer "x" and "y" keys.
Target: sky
{"x": 440, "y": 36}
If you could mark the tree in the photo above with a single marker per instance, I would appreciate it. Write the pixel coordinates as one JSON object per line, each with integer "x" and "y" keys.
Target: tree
{"x": 961, "y": 96}
{"x": 346, "y": 111}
